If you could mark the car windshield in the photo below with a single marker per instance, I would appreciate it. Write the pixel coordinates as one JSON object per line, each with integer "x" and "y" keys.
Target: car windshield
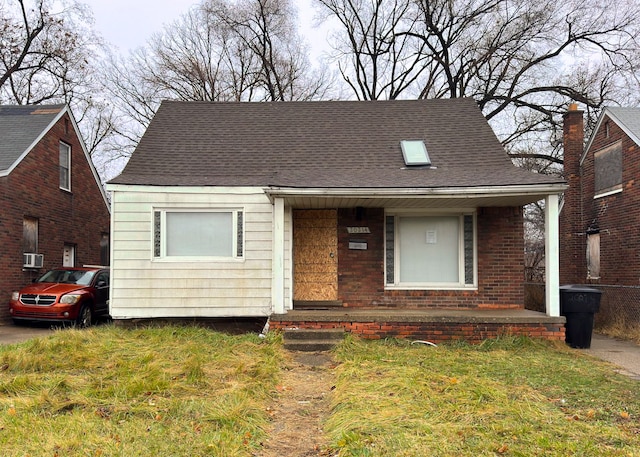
{"x": 79, "y": 277}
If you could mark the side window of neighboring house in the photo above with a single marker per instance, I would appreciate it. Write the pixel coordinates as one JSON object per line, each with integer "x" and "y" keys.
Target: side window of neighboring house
{"x": 65, "y": 166}
{"x": 214, "y": 234}
{"x": 30, "y": 234}
{"x": 104, "y": 249}
{"x": 69, "y": 255}
{"x": 593, "y": 256}
{"x": 608, "y": 170}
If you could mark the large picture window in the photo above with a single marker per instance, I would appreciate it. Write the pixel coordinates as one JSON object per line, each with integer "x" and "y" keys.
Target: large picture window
{"x": 430, "y": 251}
{"x": 198, "y": 234}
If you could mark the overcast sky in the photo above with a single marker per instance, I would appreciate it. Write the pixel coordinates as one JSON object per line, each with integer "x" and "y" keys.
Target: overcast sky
{"x": 128, "y": 24}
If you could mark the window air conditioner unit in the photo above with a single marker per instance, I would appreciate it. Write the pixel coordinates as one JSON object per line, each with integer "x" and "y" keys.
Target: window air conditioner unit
{"x": 31, "y": 260}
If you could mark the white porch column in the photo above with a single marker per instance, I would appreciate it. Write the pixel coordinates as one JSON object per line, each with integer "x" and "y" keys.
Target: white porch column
{"x": 552, "y": 255}
{"x": 277, "y": 268}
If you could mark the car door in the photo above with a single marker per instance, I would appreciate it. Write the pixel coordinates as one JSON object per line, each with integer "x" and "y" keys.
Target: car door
{"x": 102, "y": 293}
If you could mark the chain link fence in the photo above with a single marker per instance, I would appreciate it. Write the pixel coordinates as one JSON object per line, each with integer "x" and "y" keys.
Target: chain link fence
{"x": 619, "y": 305}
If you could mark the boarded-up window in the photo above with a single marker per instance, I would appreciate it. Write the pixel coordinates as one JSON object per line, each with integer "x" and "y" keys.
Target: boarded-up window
{"x": 608, "y": 169}
{"x": 593, "y": 256}
{"x": 30, "y": 234}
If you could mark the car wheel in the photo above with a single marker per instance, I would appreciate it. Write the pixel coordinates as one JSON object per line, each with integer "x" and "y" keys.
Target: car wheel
{"x": 84, "y": 317}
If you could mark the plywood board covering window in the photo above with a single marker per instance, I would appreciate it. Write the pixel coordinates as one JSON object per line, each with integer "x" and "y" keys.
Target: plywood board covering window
{"x": 608, "y": 169}
{"x": 30, "y": 234}
{"x": 593, "y": 256}
{"x": 315, "y": 254}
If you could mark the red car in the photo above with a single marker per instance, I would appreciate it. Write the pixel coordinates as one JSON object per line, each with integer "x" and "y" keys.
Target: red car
{"x": 65, "y": 295}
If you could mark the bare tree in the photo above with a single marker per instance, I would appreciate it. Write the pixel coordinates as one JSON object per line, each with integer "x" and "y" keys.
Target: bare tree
{"x": 245, "y": 50}
{"x": 521, "y": 60}
{"x": 47, "y": 54}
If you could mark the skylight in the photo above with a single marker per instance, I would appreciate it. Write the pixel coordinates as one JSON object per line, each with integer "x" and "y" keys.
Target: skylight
{"x": 415, "y": 153}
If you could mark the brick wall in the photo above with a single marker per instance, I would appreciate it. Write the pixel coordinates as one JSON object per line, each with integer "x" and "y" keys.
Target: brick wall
{"x": 572, "y": 260}
{"x": 617, "y": 216}
{"x": 436, "y": 332}
{"x": 500, "y": 265}
{"x": 78, "y": 217}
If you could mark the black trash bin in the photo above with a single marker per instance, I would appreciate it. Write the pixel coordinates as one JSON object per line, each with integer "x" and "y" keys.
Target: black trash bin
{"x": 579, "y": 304}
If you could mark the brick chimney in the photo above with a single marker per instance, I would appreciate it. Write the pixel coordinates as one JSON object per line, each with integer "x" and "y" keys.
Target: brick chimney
{"x": 573, "y": 264}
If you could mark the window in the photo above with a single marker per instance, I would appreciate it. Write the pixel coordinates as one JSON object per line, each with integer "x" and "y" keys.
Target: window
{"x": 30, "y": 235}
{"x": 415, "y": 153}
{"x": 430, "y": 251}
{"x": 183, "y": 234}
{"x": 608, "y": 170}
{"x": 104, "y": 249}
{"x": 593, "y": 255}
{"x": 65, "y": 166}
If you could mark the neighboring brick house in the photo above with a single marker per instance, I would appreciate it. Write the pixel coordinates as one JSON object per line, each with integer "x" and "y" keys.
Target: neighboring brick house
{"x": 52, "y": 204}
{"x": 600, "y": 216}
{"x": 260, "y": 209}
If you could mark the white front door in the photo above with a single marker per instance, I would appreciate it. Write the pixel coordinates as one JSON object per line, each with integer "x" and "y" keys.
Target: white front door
{"x": 69, "y": 256}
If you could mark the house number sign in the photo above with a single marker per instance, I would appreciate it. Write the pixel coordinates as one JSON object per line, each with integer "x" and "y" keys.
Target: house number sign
{"x": 358, "y": 230}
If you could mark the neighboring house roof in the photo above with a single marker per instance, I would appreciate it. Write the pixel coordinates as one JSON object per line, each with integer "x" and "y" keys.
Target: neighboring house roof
{"x": 627, "y": 118}
{"x": 329, "y": 144}
{"x": 21, "y": 127}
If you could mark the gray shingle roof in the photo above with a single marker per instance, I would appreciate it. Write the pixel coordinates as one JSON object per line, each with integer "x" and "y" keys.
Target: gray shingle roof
{"x": 629, "y": 118}
{"x": 20, "y": 126}
{"x": 332, "y": 144}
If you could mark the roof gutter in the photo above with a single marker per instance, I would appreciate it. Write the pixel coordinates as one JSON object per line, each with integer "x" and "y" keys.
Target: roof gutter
{"x": 440, "y": 192}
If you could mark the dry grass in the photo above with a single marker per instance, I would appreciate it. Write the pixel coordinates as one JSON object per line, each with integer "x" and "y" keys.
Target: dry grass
{"x": 182, "y": 391}
{"x": 111, "y": 392}
{"x": 621, "y": 329}
{"x": 511, "y": 397}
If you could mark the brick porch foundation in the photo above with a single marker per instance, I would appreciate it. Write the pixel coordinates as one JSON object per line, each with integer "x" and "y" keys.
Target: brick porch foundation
{"x": 436, "y": 326}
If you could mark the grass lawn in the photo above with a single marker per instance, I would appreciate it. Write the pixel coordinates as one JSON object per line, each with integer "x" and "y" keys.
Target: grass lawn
{"x": 512, "y": 397}
{"x": 106, "y": 391}
{"x": 177, "y": 391}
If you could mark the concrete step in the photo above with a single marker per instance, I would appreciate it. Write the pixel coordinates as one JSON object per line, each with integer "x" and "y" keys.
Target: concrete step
{"x": 312, "y": 339}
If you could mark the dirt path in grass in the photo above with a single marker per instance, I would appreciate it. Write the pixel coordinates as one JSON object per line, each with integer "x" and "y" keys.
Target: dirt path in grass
{"x": 302, "y": 405}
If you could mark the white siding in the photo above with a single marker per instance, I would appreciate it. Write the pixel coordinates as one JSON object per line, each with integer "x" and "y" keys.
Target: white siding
{"x": 144, "y": 287}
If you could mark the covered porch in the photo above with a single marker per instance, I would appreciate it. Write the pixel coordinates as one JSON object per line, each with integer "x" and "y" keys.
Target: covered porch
{"x": 371, "y": 299}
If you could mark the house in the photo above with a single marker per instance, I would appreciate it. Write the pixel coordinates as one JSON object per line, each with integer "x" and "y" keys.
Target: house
{"x": 272, "y": 209}
{"x": 54, "y": 210}
{"x": 600, "y": 219}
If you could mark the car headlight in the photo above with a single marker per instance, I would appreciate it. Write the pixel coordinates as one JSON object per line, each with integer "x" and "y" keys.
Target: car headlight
{"x": 15, "y": 296}
{"x": 70, "y": 299}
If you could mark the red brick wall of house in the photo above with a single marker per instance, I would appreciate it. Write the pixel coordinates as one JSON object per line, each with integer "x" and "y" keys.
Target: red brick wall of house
{"x": 79, "y": 217}
{"x": 617, "y": 216}
{"x": 500, "y": 265}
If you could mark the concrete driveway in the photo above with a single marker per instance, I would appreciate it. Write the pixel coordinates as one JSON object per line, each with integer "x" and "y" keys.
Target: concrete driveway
{"x": 624, "y": 354}
{"x": 10, "y": 334}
